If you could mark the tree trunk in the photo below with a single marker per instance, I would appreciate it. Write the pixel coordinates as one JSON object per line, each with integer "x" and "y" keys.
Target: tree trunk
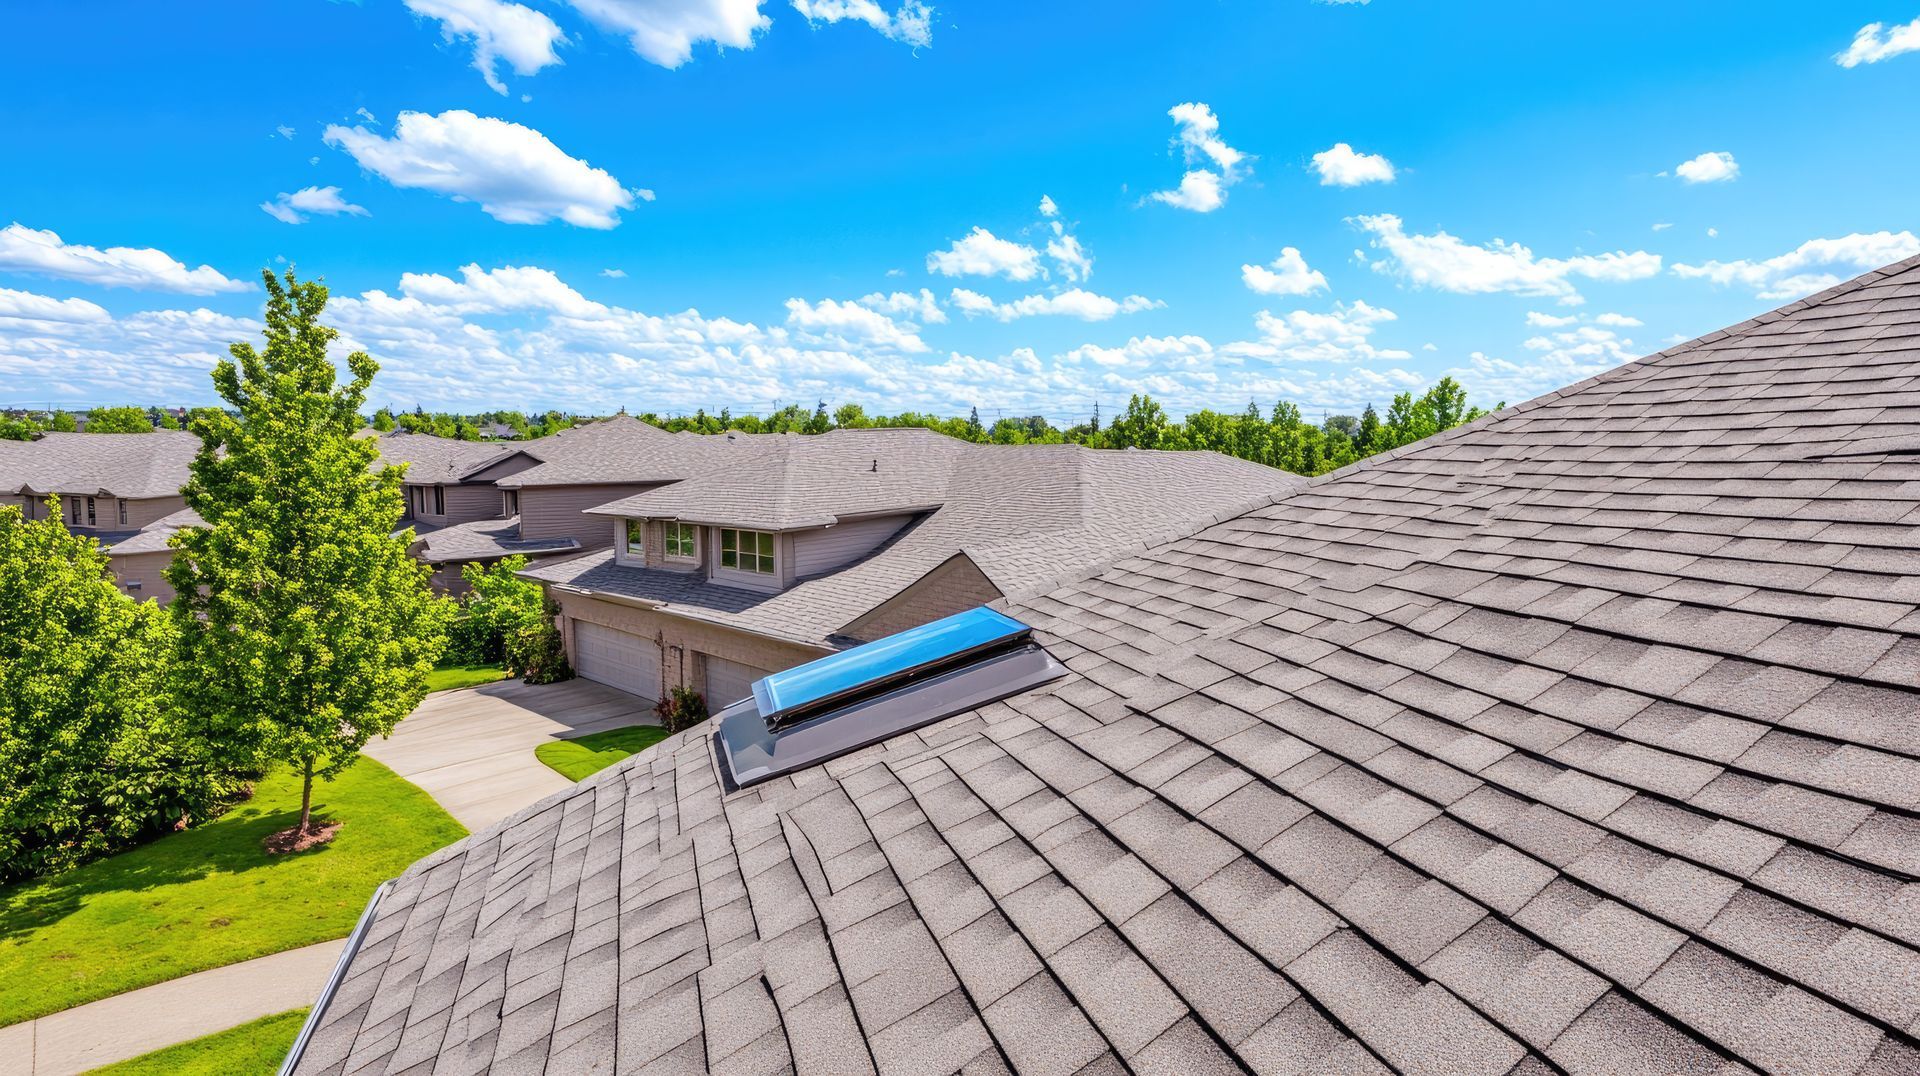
{"x": 306, "y": 798}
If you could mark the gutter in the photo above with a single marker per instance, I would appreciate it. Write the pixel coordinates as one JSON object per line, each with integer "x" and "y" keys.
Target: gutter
{"x": 319, "y": 1010}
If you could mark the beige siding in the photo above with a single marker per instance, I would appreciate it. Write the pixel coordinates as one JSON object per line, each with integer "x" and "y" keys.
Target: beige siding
{"x": 823, "y": 550}
{"x": 559, "y": 512}
{"x": 513, "y": 464}
{"x": 953, "y": 587}
{"x": 683, "y": 644}
{"x": 471, "y": 501}
{"x": 144, "y": 510}
{"x": 144, "y": 569}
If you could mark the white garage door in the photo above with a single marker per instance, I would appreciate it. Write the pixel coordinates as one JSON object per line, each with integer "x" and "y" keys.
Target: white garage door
{"x": 616, "y": 659}
{"x": 728, "y": 682}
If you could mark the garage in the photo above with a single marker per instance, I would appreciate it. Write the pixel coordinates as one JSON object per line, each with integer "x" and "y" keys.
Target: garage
{"x": 729, "y": 681}
{"x": 616, "y": 659}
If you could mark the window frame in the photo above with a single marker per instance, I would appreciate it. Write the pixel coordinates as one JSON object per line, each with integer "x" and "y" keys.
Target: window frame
{"x": 123, "y": 511}
{"x": 439, "y": 500}
{"x": 675, "y": 534}
{"x": 92, "y": 516}
{"x": 762, "y": 540}
{"x": 637, "y": 537}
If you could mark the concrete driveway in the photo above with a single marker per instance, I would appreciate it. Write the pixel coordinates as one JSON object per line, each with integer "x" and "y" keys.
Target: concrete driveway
{"x": 472, "y": 749}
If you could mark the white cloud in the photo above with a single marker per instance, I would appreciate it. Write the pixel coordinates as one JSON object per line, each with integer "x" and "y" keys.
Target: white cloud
{"x": 1074, "y": 302}
{"x": 1618, "y": 321}
{"x": 922, "y": 307}
{"x": 1662, "y": 226}
{"x": 514, "y": 172}
{"x": 366, "y": 116}
{"x": 1550, "y": 321}
{"x": 1447, "y": 263}
{"x": 1875, "y": 42}
{"x": 1070, "y": 257}
{"x": 1814, "y": 265}
{"x": 1198, "y": 191}
{"x": 1560, "y": 359}
{"x": 911, "y": 23}
{"x": 496, "y": 291}
{"x": 1197, "y": 134}
{"x": 1340, "y": 335}
{"x": 523, "y": 37}
{"x": 1340, "y": 166}
{"x": 1286, "y": 275}
{"x": 665, "y": 31}
{"x": 981, "y": 253}
{"x": 284, "y": 131}
{"x": 27, "y": 306}
{"x": 615, "y": 274}
{"x": 849, "y": 323}
{"x": 1716, "y": 167}
{"x": 321, "y": 200}
{"x": 1047, "y": 206}
{"x": 27, "y": 250}
{"x": 1537, "y": 320}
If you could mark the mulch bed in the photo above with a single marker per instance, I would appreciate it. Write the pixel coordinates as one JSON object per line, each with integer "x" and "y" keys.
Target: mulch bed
{"x": 292, "y": 839}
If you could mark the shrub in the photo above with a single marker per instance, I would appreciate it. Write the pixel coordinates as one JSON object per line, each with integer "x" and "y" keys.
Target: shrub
{"x": 499, "y": 605}
{"x": 683, "y": 708}
{"x": 535, "y": 652}
{"x": 92, "y": 756}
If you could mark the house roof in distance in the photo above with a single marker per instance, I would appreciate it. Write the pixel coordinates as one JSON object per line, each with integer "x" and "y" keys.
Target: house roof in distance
{"x": 1024, "y": 514}
{"x": 135, "y": 465}
{"x": 483, "y": 539}
{"x": 615, "y": 451}
{"x": 435, "y": 460}
{"x": 1584, "y": 738}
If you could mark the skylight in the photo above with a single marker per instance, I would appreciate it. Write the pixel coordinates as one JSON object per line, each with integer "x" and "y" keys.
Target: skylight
{"x": 843, "y": 702}
{"x": 817, "y": 684}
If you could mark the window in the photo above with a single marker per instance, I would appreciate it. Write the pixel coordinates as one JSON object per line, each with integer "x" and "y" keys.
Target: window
{"x": 511, "y": 498}
{"x": 90, "y": 515}
{"x": 637, "y": 537}
{"x": 123, "y": 512}
{"x": 680, "y": 542}
{"x": 73, "y": 511}
{"x": 439, "y": 500}
{"x": 747, "y": 551}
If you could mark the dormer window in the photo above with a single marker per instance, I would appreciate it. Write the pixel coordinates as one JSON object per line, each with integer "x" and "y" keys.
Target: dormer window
{"x": 680, "y": 541}
{"x": 746, "y": 551}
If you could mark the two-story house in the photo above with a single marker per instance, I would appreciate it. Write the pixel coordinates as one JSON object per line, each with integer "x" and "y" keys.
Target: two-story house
{"x": 802, "y": 545}
{"x": 115, "y": 487}
{"x": 478, "y": 501}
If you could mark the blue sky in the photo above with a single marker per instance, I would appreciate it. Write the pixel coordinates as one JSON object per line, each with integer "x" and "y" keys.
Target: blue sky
{"x": 724, "y": 203}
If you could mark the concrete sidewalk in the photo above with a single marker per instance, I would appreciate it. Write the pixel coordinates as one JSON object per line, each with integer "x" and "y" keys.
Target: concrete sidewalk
{"x": 472, "y": 749}
{"x": 164, "y": 1014}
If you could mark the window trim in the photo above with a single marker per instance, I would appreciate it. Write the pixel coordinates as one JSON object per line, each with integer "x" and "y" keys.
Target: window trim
{"x": 92, "y": 516}
{"x": 762, "y": 539}
{"x": 439, "y": 500}
{"x": 123, "y": 511}
{"x": 637, "y": 538}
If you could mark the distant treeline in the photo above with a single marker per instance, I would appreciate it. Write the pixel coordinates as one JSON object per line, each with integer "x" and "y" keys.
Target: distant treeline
{"x": 1281, "y": 438}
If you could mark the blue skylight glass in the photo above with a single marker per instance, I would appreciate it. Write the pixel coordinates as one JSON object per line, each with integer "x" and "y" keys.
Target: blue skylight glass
{"x": 894, "y": 657}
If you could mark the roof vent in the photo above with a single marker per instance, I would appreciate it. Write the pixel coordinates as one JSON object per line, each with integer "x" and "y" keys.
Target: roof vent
{"x": 843, "y": 702}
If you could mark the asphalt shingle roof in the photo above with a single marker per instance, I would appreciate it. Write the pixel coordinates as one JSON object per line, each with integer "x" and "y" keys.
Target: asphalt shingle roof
{"x": 111, "y": 464}
{"x": 1025, "y": 515}
{"x": 483, "y": 539}
{"x": 617, "y": 450}
{"x": 1584, "y": 738}
{"x": 438, "y": 460}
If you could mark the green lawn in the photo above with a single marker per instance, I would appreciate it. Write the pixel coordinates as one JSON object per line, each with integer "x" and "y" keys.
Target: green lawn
{"x": 210, "y": 896}
{"x": 449, "y": 677}
{"x": 576, "y": 759}
{"x": 249, "y": 1049}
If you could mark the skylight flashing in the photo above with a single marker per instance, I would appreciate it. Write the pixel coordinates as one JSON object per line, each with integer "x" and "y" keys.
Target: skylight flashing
{"x": 936, "y": 671}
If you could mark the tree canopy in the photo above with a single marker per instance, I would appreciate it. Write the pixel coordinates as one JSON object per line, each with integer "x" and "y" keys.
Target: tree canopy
{"x": 305, "y": 624}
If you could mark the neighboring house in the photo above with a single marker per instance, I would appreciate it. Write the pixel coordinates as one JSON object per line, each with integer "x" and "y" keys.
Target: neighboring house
{"x": 479, "y": 501}
{"x": 457, "y": 510}
{"x": 802, "y": 544}
{"x": 1581, "y": 738}
{"x": 120, "y": 488}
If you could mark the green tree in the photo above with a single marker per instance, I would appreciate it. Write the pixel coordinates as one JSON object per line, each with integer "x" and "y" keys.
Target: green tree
{"x": 166, "y": 421}
{"x": 305, "y": 626}
{"x": 497, "y": 606}
{"x": 91, "y": 756}
{"x": 1143, "y": 425}
{"x": 16, "y": 429}
{"x": 383, "y": 420}
{"x": 119, "y": 420}
{"x": 848, "y": 416}
{"x": 63, "y": 422}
